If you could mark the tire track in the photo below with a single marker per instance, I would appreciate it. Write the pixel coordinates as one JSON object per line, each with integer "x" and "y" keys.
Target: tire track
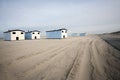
{"x": 83, "y": 68}
{"x": 86, "y": 73}
{"x": 55, "y": 54}
{"x": 74, "y": 68}
{"x": 91, "y": 61}
{"x": 46, "y": 75}
{"x": 49, "y": 50}
{"x": 98, "y": 62}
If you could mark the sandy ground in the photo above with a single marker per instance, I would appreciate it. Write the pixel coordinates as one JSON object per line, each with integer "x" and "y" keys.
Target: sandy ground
{"x": 81, "y": 58}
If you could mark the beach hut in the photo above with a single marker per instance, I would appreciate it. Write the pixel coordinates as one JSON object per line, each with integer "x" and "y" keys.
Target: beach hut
{"x": 60, "y": 33}
{"x": 82, "y": 34}
{"x": 32, "y": 34}
{"x": 75, "y": 34}
{"x": 16, "y": 34}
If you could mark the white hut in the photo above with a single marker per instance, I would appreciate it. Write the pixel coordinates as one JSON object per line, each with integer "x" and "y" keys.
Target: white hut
{"x": 32, "y": 34}
{"x": 14, "y": 35}
{"x": 60, "y": 33}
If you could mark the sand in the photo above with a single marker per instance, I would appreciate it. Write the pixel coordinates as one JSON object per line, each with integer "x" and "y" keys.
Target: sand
{"x": 78, "y": 58}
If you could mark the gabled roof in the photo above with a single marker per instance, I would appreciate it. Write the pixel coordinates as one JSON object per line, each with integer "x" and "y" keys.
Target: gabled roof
{"x": 57, "y": 30}
{"x": 14, "y": 30}
{"x": 33, "y": 31}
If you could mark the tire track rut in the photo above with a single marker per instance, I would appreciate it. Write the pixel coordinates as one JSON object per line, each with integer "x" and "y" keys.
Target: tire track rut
{"x": 55, "y": 54}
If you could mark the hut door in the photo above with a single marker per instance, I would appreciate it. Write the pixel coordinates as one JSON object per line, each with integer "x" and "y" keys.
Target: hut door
{"x": 17, "y": 38}
{"x": 35, "y": 37}
{"x": 63, "y": 36}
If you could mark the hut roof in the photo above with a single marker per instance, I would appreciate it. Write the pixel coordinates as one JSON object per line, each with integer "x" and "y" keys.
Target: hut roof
{"x": 57, "y": 30}
{"x": 33, "y": 31}
{"x": 14, "y": 30}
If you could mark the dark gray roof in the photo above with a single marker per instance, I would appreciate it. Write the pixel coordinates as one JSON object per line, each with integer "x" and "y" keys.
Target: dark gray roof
{"x": 33, "y": 31}
{"x": 57, "y": 30}
{"x": 14, "y": 30}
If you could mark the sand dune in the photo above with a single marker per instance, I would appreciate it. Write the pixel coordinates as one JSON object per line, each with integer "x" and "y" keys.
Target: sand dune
{"x": 80, "y": 58}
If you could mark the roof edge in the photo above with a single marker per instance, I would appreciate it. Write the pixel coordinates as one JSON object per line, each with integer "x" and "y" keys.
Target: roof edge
{"x": 14, "y": 30}
{"x": 33, "y": 31}
{"x": 57, "y": 30}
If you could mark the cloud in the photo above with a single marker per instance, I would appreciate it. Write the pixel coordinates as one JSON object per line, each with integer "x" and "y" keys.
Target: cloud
{"x": 77, "y": 15}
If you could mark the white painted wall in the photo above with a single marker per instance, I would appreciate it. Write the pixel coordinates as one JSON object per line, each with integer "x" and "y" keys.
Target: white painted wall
{"x": 64, "y": 33}
{"x": 18, "y": 34}
{"x": 35, "y": 35}
{"x": 56, "y": 34}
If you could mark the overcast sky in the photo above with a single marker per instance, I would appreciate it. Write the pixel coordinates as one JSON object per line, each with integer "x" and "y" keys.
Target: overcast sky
{"x": 93, "y": 16}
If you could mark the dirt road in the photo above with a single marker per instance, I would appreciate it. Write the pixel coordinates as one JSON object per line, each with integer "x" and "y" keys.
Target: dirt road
{"x": 81, "y": 58}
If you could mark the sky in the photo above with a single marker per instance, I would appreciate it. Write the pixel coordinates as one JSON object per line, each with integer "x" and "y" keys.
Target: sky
{"x": 90, "y": 16}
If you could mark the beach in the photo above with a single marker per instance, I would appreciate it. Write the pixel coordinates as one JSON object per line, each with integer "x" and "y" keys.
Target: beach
{"x": 75, "y": 58}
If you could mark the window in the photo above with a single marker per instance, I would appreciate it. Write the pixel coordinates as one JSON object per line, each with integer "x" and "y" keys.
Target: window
{"x": 13, "y": 32}
{"x": 33, "y": 33}
{"x": 66, "y": 31}
{"x": 62, "y": 31}
{"x": 38, "y": 33}
{"x": 22, "y": 33}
